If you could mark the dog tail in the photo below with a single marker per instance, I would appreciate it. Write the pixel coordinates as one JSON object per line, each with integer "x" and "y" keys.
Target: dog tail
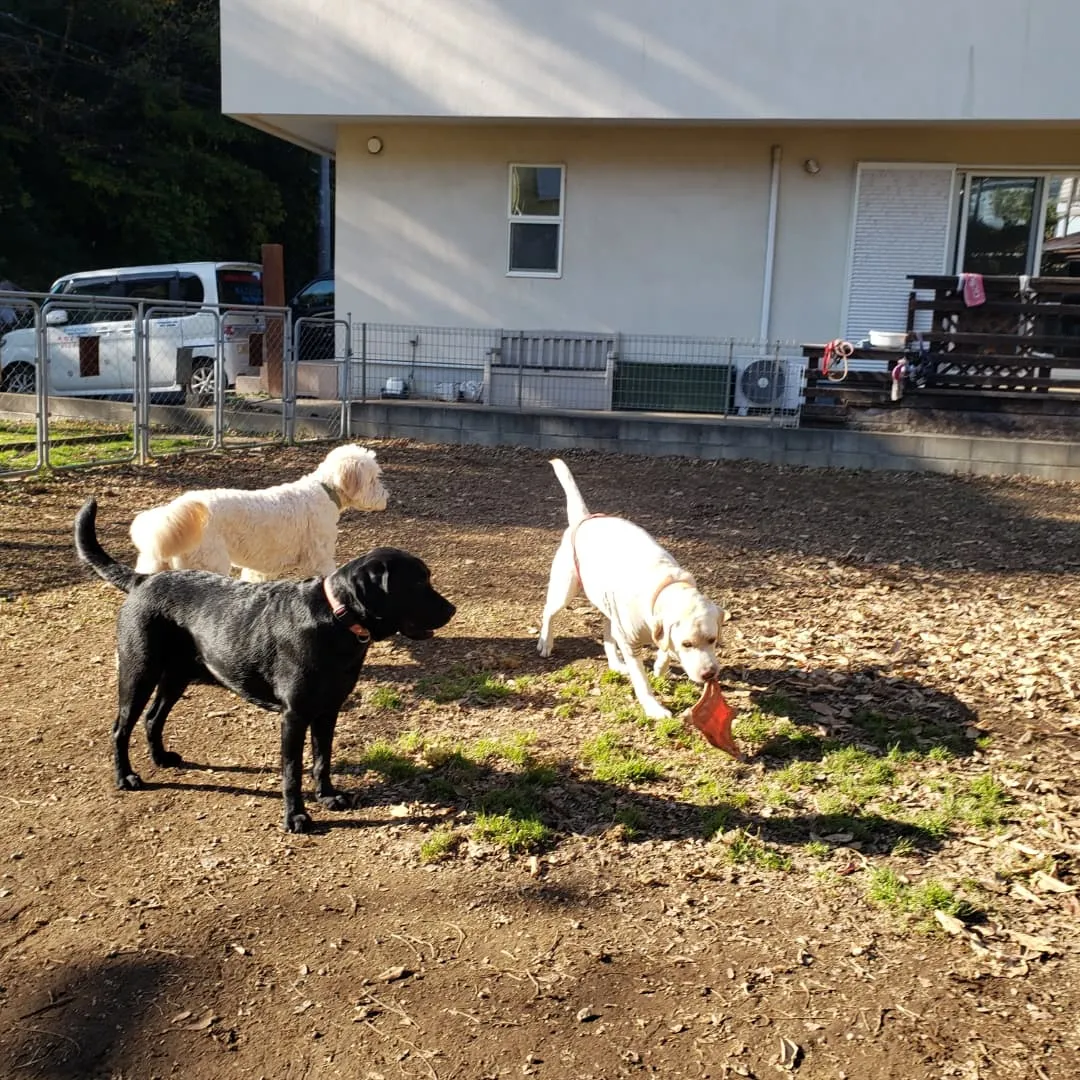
{"x": 576, "y": 510}
{"x": 164, "y": 532}
{"x": 94, "y": 555}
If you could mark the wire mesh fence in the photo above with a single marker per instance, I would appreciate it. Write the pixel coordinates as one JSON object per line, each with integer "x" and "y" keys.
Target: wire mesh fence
{"x": 570, "y": 370}
{"x": 90, "y": 380}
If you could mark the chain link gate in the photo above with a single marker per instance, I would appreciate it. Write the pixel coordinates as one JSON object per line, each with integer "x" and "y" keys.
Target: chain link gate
{"x": 318, "y": 386}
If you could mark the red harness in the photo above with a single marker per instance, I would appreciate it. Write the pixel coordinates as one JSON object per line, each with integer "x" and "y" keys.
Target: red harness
{"x": 573, "y": 547}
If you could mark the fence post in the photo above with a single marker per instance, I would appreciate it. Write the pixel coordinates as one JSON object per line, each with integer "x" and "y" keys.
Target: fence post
{"x": 344, "y": 387}
{"x": 41, "y": 385}
{"x": 521, "y": 366}
{"x": 363, "y": 362}
{"x": 140, "y": 386}
{"x": 289, "y": 379}
{"x": 219, "y": 379}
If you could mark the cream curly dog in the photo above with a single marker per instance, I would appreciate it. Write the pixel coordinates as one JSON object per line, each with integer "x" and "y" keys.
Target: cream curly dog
{"x": 285, "y": 531}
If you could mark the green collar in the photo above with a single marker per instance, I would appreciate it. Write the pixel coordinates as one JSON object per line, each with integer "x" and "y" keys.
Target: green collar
{"x": 334, "y": 497}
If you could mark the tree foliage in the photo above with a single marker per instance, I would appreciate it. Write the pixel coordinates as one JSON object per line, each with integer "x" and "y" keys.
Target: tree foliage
{"x": 113, "y": 149}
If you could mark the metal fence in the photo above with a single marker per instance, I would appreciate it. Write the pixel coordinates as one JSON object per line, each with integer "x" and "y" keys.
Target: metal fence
{"x": 545, "y": 369}
{"x": 90, "y": 380}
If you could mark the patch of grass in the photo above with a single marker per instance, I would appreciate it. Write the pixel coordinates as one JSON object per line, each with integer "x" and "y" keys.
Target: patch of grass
{"x": 841, "y": 824}
{"x": 905, "y": 845}
{"x": 385, "y": 697}
{"x": 714, "y": 819}
{"x": 450, "y": 761}
{"x": 743, "y": 848}
{"x": 910, "y": 734}
{"x": 983, "y": 803}
{"x": 886, "y": 889}
{"x": 632, "y": 821}
{"x": 513, "y": 833}
{"x": 777, "y": 703}
{"x": 797, "y": 775}
{"x": 513, "y": 749}
{"x": 682, "y": 695}
{"x": 980, "y": 804}
{"x": 410, "y": 742}
{"x": 857, "y": 774}
{"x": 612, "y": 762}
{"x": 754, "y": 727}
{"x": 386, "y": 760}
{"x": 817, "y": 849}
{"x": 708, "y": 790}
{"x": 476, "y": 687}
{"x": 672, "y": 730}
{"x": 440, "y": 844}
{"x": 573, "y": 682}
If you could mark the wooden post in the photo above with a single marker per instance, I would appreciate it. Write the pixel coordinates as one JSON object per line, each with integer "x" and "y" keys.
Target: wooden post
{"x": 273, "y": 276}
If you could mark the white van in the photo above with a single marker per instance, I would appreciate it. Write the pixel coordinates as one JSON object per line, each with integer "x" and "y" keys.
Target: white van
{"x": 90, "y": 345}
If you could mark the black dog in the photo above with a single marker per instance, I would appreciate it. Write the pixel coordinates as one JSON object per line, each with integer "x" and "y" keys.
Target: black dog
{"x": 292, "y": 647}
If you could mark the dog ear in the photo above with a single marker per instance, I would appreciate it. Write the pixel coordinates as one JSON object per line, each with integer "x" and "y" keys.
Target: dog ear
{"x": 661, "y": 635}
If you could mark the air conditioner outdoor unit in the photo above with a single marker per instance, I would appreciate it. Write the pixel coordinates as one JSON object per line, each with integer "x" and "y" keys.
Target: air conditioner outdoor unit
{"x": 768, "y": 384}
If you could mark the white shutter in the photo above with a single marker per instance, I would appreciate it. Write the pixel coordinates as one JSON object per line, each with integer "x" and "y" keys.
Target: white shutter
{"x": 902, "y": 218}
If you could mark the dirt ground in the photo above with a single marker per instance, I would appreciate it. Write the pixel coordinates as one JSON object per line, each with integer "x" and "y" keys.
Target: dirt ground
{"x": 179, "y": 932}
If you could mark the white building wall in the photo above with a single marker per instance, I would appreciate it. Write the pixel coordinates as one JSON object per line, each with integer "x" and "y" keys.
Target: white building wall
{"x": 665, "y": 228}
{"x": 291, "y": 62}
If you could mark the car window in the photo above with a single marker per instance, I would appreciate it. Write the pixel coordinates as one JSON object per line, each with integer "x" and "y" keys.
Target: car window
{"x": 150, "y": 287}
{"x": 191, "y": 289}
{"x": 239, "y": 287}
{"x": 79, "y": 314}
{"x": 318, "y": 296}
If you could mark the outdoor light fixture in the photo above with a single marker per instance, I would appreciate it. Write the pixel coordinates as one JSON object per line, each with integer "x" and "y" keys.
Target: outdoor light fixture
{"x": 811, "y": 166}
{"x": 374, "y": 144}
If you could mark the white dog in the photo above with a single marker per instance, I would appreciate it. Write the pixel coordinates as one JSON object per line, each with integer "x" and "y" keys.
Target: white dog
{"x": 284, "y": 531}
{"x": 642, "y": 592}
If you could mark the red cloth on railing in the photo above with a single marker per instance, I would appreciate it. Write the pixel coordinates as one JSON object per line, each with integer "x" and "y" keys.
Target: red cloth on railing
{"x": 971, "y": 285}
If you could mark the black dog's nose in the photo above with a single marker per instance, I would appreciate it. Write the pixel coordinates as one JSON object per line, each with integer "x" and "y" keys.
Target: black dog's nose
{"x": 710, "y": 674}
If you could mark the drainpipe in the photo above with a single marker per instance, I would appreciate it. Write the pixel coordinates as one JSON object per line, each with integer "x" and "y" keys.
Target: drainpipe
{"x": 770, "y": 244}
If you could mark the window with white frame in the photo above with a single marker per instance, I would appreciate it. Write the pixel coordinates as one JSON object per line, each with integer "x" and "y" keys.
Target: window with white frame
{"x": 536, "y": 220}
{"x": 1019, "y": 223}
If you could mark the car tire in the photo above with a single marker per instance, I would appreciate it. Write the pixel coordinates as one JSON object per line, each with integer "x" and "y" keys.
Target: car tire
{"x": 19, "y": 378}
{"x": 203, "y": 383}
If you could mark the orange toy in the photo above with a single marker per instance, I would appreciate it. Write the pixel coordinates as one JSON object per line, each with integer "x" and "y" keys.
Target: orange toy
{"x": 712, "y": 716}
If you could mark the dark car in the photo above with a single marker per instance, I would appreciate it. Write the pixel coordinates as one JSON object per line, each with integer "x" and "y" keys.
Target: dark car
{"x": 315, "y": 301}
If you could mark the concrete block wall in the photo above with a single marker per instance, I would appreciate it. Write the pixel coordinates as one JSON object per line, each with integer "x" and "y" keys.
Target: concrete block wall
{"x": 713, "y": 439}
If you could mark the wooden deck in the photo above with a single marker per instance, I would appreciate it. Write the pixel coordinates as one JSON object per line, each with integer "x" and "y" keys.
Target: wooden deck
{"x": 1009, "y": 365}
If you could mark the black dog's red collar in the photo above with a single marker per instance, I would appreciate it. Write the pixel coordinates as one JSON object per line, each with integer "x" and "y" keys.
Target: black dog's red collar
{"x": 343, "y": 615}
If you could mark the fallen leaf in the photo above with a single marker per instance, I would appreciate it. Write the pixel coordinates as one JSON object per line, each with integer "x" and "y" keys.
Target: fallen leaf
{"x": 1031, "y": 943}
{"x": 790, "y": 1052}
{"x": 950, "y": 923}
{"x": 1042, "y": 880}
{"x": 392, "y": 974}
{"x": 203, "y": 1024}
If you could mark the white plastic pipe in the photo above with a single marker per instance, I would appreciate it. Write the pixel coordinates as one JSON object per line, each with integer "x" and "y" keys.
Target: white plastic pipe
{"x": 770, "y": 244}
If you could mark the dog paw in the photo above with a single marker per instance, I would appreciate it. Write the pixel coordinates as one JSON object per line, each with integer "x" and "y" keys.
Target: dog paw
{"x": 655, "y": 711}
{"x": 129, "y": 782}
{"x": 337, "y": 801}
{"x": 168, "y": 759}
{"x": 543, "y": 648}
{"x": 298, "y": 823}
